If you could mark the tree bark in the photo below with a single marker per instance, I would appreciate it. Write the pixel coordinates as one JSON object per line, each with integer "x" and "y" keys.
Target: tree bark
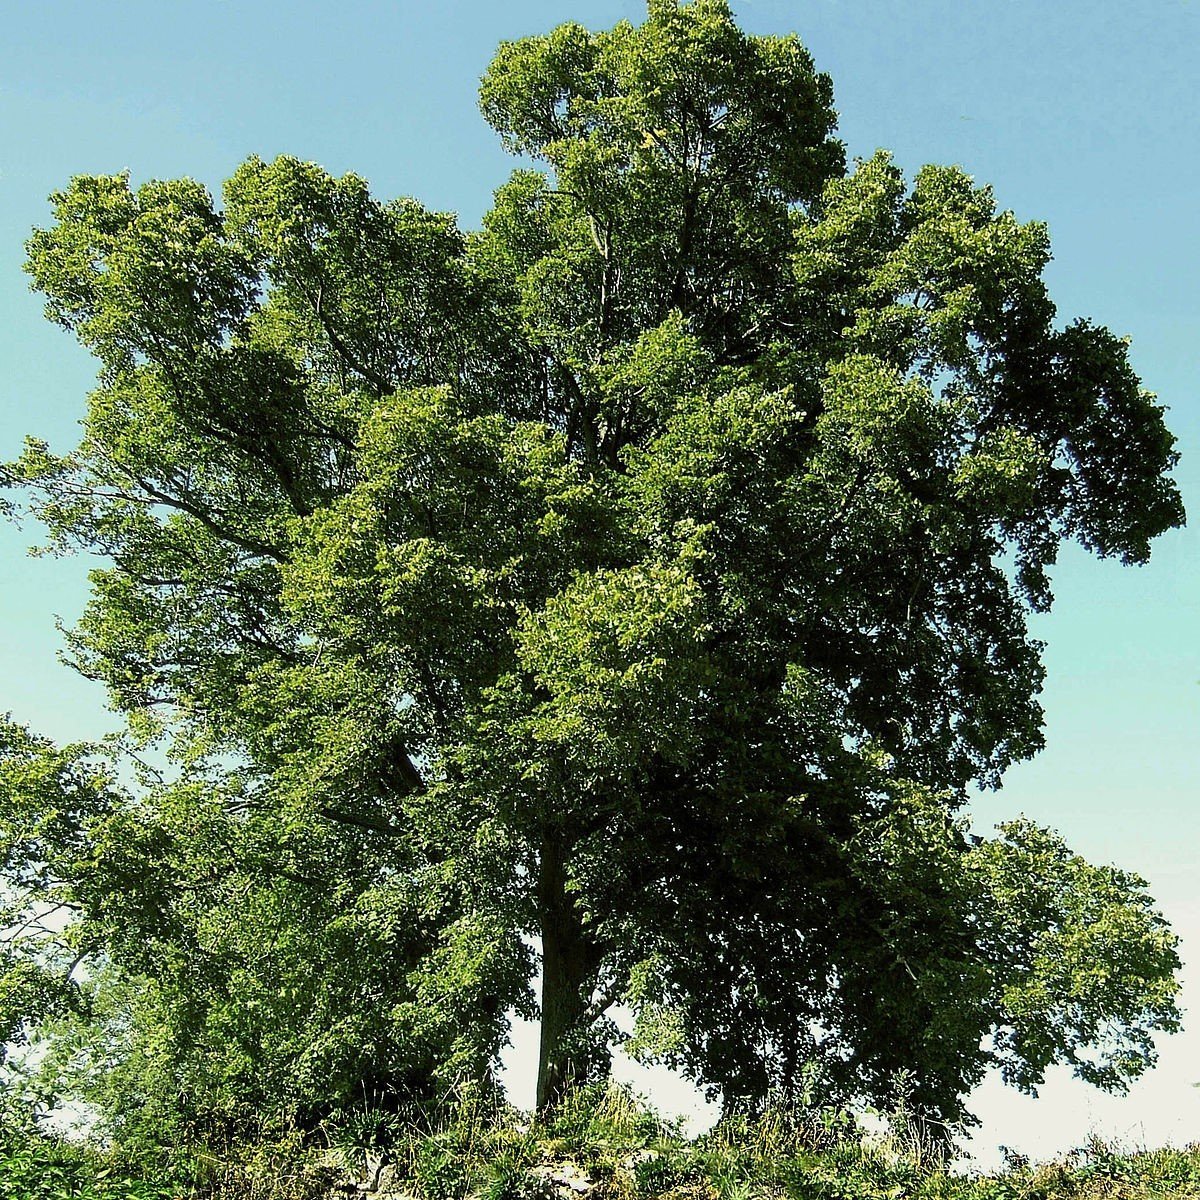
{"x": 565, "y": 974}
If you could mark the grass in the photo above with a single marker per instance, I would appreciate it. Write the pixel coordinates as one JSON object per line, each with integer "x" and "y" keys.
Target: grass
{"x": 622, "y": 1148}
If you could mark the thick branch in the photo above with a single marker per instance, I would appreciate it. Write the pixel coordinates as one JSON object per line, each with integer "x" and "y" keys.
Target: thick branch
{"x": 371, "y": 824}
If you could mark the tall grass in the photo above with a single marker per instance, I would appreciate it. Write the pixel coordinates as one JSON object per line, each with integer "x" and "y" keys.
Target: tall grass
{"x": 600, "y": 1144}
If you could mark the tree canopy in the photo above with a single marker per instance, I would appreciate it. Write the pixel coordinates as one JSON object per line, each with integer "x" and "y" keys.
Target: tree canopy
{"x": 628, "y": 592}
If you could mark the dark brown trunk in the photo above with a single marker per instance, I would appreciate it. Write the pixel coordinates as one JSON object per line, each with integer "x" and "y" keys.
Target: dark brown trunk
{"x": 565, "y": 970}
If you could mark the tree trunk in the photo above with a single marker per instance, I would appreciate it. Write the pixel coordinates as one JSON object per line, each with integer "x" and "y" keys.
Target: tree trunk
{"x": 565, "y": 972}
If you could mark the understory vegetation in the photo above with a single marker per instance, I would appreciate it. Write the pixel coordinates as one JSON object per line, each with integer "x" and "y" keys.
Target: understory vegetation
{"x": 601, "y": 1142}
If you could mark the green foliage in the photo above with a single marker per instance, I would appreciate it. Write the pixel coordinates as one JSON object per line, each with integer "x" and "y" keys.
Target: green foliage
{"x": 659, "y": 1174}
{"x": 780, "y": 1155}
{"x": 645, "y": 575}
{"x": 1078, "y": 940}
{"x": 439, "y": 1171}
{"x": 508, "y": 1177}
{"x": 34, "y": 1166}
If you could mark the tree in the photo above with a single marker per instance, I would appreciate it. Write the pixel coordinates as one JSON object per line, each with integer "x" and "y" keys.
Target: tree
{"x": 645, "y": 574}
{"x": 194, "y": 966}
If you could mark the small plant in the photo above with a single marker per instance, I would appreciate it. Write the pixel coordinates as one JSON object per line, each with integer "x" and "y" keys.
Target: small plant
{"x": 38, "y": 1166}
{"x": 509, "y": 1177}
{"x": 364, "y": 1128}
{"x": 731, "y": 1184}
{"x": 660, "y": 1173}
{"x": 440, "y": 1170}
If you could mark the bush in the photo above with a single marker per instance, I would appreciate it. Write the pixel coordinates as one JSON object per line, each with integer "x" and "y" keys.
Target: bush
{"x": 39, "y": 1166}
{"x": 440, "y": 1170}
{"x": 509, "y": 1177}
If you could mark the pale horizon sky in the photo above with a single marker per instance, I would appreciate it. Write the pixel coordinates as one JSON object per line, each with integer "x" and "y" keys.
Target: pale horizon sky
{"x": 1082, "y": 114}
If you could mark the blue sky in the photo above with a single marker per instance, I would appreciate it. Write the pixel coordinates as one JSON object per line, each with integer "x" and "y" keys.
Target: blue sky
{"x": 1082, "y": 114}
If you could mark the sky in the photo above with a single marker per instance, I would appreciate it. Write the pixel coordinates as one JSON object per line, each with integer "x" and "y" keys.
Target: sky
{"x": 1082, "y": 114}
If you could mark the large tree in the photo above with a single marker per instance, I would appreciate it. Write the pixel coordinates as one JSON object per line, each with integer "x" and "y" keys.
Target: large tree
{"x": 643, "y": 577}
